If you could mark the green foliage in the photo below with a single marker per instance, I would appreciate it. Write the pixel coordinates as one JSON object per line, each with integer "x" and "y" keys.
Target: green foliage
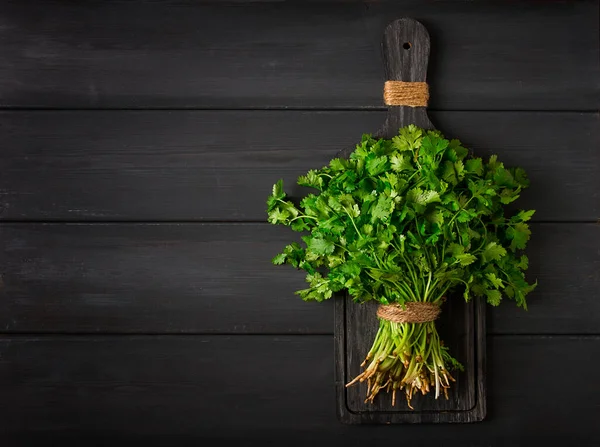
{"x": 408, "y": 219}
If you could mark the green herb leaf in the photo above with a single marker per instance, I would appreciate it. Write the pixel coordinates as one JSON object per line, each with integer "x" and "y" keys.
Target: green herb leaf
{"x": 474, "y": 166}
{"x": 493, "y": 252}
{"x": 493, "y": 297}
{"x": 319, "y": 246}
{"x": 519, "y": 234}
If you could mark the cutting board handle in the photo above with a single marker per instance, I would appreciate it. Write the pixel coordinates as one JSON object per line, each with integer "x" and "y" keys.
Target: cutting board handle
{"x": 405, "y": 48}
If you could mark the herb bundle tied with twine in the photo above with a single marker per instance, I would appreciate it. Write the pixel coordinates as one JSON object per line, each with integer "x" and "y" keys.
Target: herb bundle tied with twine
{"x": 407, "y": 222}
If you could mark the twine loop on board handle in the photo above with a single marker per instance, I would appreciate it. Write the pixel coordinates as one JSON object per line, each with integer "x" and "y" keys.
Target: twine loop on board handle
{"x": 410, "y": 94}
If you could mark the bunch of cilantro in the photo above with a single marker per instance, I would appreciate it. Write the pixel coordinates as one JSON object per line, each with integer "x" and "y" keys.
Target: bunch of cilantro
{"x": 408, "y": 219}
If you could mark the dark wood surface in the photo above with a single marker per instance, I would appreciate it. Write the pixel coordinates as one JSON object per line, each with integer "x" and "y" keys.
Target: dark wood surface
{"x": 217, "y": 278}
{"x": 188, "y": 165}
{"x": 260, "y": 390}
{"x": 184, "y": 53}
{"x": 135, "y": 276}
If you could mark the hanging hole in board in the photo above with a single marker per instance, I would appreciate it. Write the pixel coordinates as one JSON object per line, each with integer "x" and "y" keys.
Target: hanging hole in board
{"x": 407, "y": 45}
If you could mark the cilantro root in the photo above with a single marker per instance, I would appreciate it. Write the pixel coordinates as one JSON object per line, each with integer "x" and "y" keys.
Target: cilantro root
{"x": 408, "y": 219}
{"x": 409, "y": 358}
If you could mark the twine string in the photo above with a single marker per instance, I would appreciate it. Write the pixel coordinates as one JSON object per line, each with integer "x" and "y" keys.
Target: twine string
{"x": 413, "y": 312}
{"x": 411, "y": 94}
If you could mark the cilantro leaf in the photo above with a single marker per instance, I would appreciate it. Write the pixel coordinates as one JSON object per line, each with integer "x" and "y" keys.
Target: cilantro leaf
{"x": 408, "y": 138}
{"x": 460, "y": 151}
{"x": 519, "y": 234}
{"x": 494, "y": 280}
{"x": 319, "y": 246}
{"x": 401, "y": 163}
{"x": 523, "y": 263}
{"x": 420, "y": 197}
{"x": 474, "y": 166}
{"x": 382, "y": 209}
{"x": 522, "y": 216}
{"x": 338, "y": 164}
{"x": 279, "y": 259}
{"x": 493, "y": 297}
{"x": 465, "y": 259}
{"x": 376, "y": 165}
{"x": 432, "y": 144}
{"x": 493, "y": 252}
{"x": 312, "y": 179}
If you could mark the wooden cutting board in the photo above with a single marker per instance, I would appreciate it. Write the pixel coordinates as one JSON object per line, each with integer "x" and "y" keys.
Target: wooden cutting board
{"x": 462, "y": 325}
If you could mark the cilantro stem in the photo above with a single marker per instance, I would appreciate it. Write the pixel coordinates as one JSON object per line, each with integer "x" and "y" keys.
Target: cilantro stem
{"x": 302, "y": 216}
{"x": 458, "y": 212}
{"x": 352, "y": 220}
{"x": 458, "y": 233}
{"x": 427, "y": 288}
{"x": 485, "y": 238}
{"x": 411, "y": 270}
{"x": 405, "y": 288}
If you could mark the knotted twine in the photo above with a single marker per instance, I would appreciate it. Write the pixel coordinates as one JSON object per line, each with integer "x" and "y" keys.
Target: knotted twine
{"x": 411, "y": 94}
{"x": 413, "y": 312}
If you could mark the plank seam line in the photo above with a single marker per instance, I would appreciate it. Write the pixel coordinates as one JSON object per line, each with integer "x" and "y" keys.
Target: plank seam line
{"x": 5, "y": 335}
{"x": 283, "y": 109}
{"x": 213, "y": 222}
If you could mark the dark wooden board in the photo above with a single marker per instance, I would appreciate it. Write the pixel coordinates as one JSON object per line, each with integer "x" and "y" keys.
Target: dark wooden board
{"x": 178, "y": 53}
{"x": 405, "y": 48}
{"x": 461, "y": 327}
{"x": 189, "y": 165}
{"x": 265, "y": 390}
{"x": 217, "y": 278}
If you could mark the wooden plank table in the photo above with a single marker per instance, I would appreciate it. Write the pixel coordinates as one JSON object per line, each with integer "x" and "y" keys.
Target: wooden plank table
{"x": 140, "y": 139}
